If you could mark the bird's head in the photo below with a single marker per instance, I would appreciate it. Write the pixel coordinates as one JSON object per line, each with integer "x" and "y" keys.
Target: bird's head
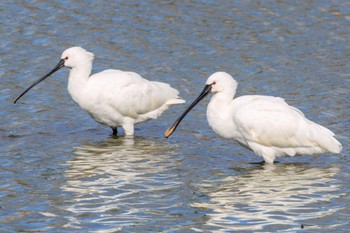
{"x": 71, "y": 58}
{"x": 217, "y": 82}
{"x": 221, "y": 81}
{"x": 74, "y": 56}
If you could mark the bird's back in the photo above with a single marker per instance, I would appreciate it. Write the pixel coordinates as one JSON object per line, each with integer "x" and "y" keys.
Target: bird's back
{"x": 130, "y": 94}
{"x": 270, "y": 122}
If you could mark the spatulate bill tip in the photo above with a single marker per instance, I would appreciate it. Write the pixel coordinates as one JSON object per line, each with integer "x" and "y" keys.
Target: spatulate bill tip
{"x": 15, "y": 100}
{"x": 169, "y": 131}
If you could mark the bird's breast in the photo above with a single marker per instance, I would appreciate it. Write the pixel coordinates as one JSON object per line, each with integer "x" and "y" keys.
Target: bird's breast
{"x": 221, "y": 121}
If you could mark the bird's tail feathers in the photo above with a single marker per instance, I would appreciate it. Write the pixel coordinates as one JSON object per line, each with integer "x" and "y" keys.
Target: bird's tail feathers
{"x": 170, "y": 94}
{"x": 326, "y": 139}
{"x": 175, "y": 101}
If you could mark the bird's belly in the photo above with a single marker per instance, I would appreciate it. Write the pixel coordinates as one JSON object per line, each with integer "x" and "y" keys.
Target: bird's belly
{"x": 105, "y": 120}
{"x": 104, "y": 115}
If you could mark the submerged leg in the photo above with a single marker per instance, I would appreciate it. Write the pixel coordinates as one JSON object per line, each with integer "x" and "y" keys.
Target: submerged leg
{"x": 263, "y": 162}
{"x": 115, "y": 131}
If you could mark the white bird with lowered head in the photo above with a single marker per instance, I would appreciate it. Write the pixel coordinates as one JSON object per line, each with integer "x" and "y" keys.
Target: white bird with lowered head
{"x": 113, "y": 97}
{"x": 266, "y": 125}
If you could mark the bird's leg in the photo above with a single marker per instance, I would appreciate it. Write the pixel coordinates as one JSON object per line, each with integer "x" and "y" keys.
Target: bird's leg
{"x": 115, "y": 131}
{"x": 128, "y": 126}
{"x": 263, "y": 162}
{"x": 258, "y": 163}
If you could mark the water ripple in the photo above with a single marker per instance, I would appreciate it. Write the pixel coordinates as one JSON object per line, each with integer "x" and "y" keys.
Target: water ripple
{"x": 121, "y": 180}
{"x": 273, "y": 198}
{"x": 195, "y": 181}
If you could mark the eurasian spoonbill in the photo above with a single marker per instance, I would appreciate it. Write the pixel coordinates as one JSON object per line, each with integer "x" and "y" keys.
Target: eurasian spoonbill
{"x": 266, "y": 125}
{"x": 112, "y": 97}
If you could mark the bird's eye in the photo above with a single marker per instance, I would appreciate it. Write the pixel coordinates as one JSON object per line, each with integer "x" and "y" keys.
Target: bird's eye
{"x": 66, "y": 58}
{"x": 213, "y": 83}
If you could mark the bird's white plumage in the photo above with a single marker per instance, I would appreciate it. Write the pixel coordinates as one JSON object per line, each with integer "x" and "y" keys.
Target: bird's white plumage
{"x": 114, "y": 97}
{"x": 267, "y": 125}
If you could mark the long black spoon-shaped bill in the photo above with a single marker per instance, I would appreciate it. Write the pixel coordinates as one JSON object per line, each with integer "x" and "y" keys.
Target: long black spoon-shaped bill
{"x": 57, "y": 67}
{"x": 201, "y": 96}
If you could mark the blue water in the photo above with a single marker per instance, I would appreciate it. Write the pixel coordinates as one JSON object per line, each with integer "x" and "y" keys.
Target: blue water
{"x": 62, "y": 172}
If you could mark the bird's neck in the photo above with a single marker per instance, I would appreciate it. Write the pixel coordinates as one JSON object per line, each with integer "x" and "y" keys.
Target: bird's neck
{"x": 222, "y": 99}
{"x": 219, "y": 104}
{"x": 78, "y": 79}
{"x": 219, "y": 114}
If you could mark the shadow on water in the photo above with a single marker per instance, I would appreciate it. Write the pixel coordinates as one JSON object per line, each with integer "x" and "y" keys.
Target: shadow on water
{"x": 271, "y": 197}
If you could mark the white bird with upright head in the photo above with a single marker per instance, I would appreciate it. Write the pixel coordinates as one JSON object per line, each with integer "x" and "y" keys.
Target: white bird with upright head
{"x": 113, "y": 97}
{"x": 266, "y": 125}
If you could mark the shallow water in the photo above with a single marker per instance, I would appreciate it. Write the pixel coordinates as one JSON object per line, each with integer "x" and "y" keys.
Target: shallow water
{"x": 62, "y": 172}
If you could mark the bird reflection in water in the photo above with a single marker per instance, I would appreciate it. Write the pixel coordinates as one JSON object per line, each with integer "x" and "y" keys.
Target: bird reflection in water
{"x": 118, "y": 180}
{"x": 274, "y": 196}
{"x": 127, "y": 182}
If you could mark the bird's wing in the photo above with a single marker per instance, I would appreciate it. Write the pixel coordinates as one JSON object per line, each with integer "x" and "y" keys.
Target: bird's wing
{"x": 133, "y": 95}
{"x": 270, "y": 121}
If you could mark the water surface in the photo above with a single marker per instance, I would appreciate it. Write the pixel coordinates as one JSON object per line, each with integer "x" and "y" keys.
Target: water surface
{"x": 62, "y": 172}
